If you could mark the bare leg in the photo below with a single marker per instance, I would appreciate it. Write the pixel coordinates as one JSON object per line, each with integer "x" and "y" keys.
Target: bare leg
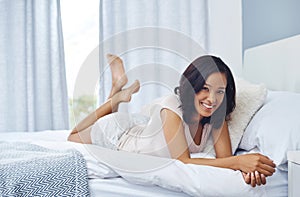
{"x": 108, "y": 107}
{"x": 119, "y": 78}
{"x": 83, "y": 137}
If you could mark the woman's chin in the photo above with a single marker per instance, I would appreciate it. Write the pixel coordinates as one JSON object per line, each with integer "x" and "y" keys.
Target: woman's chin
{"x": 205, "y": 114}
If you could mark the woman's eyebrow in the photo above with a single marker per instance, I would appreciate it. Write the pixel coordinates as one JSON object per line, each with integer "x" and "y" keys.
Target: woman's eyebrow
{"x": 221, "y": 87}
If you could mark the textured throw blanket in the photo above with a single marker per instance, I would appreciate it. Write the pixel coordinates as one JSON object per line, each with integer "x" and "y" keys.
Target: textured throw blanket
{"x": 31, "y": 170}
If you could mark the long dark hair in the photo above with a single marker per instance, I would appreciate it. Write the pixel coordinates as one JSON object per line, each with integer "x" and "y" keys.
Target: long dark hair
{"x": 192, "y": 82}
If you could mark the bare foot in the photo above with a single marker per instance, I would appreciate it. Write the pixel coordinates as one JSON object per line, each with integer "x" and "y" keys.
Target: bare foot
{"x": 119, "y": 78}
{"x": 125, "y": 94}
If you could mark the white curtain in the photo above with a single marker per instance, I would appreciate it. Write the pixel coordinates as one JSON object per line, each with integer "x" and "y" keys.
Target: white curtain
{"x": 32, "y": 73}
{"x": 157, "y": 39}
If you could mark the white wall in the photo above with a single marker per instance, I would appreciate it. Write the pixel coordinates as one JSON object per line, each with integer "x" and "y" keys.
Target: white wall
{"x": 225, "y": 19}
{"x": 268, "y": 21}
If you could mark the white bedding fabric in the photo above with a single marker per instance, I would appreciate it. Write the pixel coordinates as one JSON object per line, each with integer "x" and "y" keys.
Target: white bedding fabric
{"x": 148, "y": 172}
{"x": 274, "y": 129}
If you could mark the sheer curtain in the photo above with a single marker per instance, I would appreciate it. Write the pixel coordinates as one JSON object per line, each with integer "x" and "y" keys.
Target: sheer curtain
{"x": 156, "y": 39}
{"x": 32, "y": 73}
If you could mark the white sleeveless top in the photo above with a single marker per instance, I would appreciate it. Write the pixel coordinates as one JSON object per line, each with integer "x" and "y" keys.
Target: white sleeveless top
{"x": 148, "y": 138}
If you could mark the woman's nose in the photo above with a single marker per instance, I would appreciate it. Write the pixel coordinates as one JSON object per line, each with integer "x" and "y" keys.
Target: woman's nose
{"x": 212, "y": 97}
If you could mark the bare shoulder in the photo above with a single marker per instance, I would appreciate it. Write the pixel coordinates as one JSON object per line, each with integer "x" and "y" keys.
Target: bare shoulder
{"x": 171, "y": 121}
{"x": 169, "y": 115}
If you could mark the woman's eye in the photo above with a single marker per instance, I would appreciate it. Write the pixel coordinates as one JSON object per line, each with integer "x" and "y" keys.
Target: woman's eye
{"x": 205, "y": 89}
{"x": 221, "y": 91}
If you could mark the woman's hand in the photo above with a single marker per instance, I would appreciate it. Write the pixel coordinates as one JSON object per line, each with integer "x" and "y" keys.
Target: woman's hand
{"x": 254, "y": 178}
{"x": 256, "y": 162}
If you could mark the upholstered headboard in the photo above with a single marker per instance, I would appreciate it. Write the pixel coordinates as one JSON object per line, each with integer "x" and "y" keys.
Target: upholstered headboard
{"x": 276, "y": 64}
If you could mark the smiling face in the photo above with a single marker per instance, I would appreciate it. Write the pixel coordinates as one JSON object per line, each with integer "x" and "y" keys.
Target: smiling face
{"x": 210, "y": 97}
{"x": 212, "y": 103}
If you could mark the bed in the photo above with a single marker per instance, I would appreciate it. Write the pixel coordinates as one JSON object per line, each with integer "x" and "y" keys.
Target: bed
{"x": 150, "y": 176}
{"x": 265, "y": 121}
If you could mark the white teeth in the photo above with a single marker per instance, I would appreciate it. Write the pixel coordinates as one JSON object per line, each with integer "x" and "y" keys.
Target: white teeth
{"x": 207, "y": 106}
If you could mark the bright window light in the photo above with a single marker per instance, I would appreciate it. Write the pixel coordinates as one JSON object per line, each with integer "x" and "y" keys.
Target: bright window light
{"x": 80, "y": 24}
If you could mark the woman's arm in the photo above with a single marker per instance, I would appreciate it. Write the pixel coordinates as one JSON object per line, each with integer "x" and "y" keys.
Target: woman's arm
{"x": 222, "y": 143}
{"x": 178, "y": 147}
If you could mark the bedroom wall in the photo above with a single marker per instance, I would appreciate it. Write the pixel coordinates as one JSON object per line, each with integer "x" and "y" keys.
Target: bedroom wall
{"x": 268, "y": 20}
{"x": 237, "y": 25}
{"x": 271, "y": 38}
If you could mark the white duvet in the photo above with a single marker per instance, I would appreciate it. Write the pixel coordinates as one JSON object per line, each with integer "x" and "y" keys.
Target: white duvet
{"x": 194, "y": 180}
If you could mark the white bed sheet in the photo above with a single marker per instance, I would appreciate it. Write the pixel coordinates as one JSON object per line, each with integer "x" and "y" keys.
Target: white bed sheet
{"x": 116, "y": 187}
{"x": 276, "y": 185}
{"x": 108, "y": 187}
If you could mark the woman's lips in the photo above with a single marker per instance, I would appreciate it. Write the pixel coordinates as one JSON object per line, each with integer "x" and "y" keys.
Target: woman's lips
{"x": 207, "y": 106}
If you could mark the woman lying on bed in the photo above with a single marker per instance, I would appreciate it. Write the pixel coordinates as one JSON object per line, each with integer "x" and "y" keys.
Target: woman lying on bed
{"x": 176, "y": 125}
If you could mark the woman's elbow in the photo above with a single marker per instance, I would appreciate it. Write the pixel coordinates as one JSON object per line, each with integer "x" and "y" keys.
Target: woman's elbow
{"x": 185, "y": 160}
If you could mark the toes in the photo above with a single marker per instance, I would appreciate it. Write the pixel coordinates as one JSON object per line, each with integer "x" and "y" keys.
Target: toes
{"x": 135, "y": 86}
{"x": 113, "y": 59}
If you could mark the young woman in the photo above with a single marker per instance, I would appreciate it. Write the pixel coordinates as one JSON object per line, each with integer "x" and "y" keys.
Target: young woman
{"x": 176, "y": 125}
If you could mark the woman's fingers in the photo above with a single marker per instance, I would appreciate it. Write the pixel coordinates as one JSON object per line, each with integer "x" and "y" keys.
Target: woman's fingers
{"x": 263, "y": 179}
{"x": 246, "y": 177}
{"x": 253, "y": 180}
{"x": 266, "y": 169}
{"x": 268, "y": 161}
{"x": 257, "y": 162}
{"x": 257, "y": 178}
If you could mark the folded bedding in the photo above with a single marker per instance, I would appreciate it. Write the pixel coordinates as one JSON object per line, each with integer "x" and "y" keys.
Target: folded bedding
{"x": 31, "y": 170}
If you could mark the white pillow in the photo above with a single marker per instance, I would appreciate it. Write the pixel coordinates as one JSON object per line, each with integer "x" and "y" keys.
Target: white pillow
{"x": 275, "y": 129}
{"x": 249, "y": 98}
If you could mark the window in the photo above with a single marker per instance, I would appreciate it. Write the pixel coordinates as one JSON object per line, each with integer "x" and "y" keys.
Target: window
{"x": 80, "y": 25}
